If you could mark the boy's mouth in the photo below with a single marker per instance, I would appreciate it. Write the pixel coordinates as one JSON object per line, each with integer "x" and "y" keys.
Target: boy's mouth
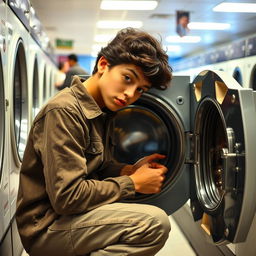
{"x": 120, "y": 102}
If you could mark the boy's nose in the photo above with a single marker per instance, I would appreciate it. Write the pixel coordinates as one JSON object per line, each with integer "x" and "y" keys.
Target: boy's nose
{"x": 130, "y": 91}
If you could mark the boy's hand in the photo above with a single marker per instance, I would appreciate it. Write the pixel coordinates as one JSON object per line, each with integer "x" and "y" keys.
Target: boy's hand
{"x": 147, "y": 159}
{"x": 148, "y": 179}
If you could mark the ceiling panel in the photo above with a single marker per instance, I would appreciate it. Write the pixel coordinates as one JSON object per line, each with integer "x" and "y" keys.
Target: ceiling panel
{"x": 76, "y": 19}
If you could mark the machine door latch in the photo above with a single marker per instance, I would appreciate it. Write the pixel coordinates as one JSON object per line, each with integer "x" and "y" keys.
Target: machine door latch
{"x": 192, "y": 139}
{"x": 233, "y": 164}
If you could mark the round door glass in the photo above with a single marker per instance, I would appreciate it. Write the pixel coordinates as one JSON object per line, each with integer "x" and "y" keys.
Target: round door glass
{"x": 238, "y": 76}
{"x": 253, "y": 79}
{"x": 146, "y": 127}
{"x": 2, "y": 117}
{"x": 20, "y": 100}
{"x": 210, "y": 125}
{"x": 45, "y": 86}
{"x": 35, "y": 108}
{"x": 50, "y": 86}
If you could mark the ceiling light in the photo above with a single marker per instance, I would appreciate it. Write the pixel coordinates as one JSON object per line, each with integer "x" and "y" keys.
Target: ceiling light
{"x": 184, "y": 39}
{"x": 128, "y": 5}
{"x": 235, "y": 7}
{"x": 97, "y": 47}
{"x": 116, "y": 24}
{"x": 102, "y": 38}
{"x": 208, "y": 26}
{"x": 172, "y": 48}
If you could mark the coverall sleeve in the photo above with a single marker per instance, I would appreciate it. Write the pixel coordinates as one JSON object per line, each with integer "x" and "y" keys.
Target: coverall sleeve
{"x": 62, "y": 151}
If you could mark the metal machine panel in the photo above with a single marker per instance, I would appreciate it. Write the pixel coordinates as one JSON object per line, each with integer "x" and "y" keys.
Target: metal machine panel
{"x": 17, "y": 41}
{"x": 4, "y": 138}
{"x": 159, "y": 122}
{"x": 218, "y": 143}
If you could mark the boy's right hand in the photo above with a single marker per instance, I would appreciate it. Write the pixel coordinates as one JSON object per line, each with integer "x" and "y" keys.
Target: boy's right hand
{"x": 148, "y": 179}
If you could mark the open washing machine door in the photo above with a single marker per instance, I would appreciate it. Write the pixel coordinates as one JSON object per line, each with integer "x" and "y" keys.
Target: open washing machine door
{"x": 223, "y": 124}
{"x": 206, "y": 131}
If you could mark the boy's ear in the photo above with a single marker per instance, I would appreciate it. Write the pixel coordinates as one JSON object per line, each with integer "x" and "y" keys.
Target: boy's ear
{"x": 102, "y": 64}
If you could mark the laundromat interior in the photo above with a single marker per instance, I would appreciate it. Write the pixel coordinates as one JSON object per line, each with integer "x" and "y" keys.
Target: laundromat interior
{"x": 204, "y": 122}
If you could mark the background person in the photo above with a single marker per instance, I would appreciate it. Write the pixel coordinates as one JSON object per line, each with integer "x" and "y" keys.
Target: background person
{"x": 74, "y": 69}
{"x": 61, "y": 74}
{"x": 182, "y": 23}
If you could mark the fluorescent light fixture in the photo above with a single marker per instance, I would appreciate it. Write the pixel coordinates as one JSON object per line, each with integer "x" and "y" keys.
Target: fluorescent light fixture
{"x": 97, "y": 47}
{"x": 172, "y": 48}
{"x": 235, "y": 7}
{"x": 184, "y": 39}
{"x": 102, "y": 38}
{"x": 208, "y": 26}
{"x": 128, "y": 5}
{"x": 117, "y": 24}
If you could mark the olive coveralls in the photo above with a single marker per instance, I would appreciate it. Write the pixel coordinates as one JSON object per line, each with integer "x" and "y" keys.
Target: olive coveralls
{"x": 70, "y": 192}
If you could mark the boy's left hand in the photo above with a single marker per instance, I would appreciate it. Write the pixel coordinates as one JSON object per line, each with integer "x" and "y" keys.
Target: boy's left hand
{"x": 130, "y": 169}
{"x": 147, "y": 159}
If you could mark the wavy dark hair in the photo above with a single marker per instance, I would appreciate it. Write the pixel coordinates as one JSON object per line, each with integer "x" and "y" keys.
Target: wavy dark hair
{"x": 133, "y": 46}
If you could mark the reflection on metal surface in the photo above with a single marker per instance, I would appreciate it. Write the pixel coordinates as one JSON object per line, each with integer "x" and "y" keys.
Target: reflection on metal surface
{"x": 198, "y": 90}
{"x": 132, "y": 139}
{"x": 213, "y": 138}
{"x": 2, "y": 117}
{"x": 221, "y": 91}
{"x": 44, "y": 86}
{"x": 35, "y": 106}
{"x": 253, "y": 78}
{"x": 20, "y": 101}
{"x": 139, "y": 132}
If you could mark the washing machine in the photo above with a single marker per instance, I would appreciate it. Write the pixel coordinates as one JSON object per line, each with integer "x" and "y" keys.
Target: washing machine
{"x": 250, "y": 62}
{"x": 45, "y": 82}
{"x": 4, "y": 137}
{"x": 206, "y": 130}
{"x": 17, "y": 80}
{"x": 252, "y": 73}
{"x": 236, "y": 68}
{"x": 33, "y": 80}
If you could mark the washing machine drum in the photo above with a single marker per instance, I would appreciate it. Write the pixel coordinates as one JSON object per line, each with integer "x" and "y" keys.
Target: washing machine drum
{"x": 219, "y": 149}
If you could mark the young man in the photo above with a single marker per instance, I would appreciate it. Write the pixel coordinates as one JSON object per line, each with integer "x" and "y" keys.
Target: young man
{"x": 71, "y": 190}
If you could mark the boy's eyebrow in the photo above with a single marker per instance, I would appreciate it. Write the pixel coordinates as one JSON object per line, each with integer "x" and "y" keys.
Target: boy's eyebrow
{"x": 135, "y": 74}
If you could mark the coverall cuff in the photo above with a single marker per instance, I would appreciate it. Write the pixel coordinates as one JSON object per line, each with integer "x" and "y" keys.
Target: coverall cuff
{"x": 127, "y": 186}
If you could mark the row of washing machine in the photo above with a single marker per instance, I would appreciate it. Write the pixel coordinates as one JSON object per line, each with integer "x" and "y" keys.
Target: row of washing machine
{"x": 243, "y": 70}
{"x": 27, "y": 75}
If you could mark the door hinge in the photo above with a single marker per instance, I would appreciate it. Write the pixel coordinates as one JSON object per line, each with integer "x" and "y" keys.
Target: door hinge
{"x": 192, "y": 154}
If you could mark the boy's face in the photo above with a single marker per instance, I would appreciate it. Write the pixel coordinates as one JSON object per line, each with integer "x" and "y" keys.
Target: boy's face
{"x": 120, "y": 85}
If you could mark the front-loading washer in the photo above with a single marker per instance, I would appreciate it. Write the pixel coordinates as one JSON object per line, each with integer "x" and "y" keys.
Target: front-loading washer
{"x": 236, "y": 68}
{"x": 250, "y": 72}
{"x": 206, "y": 130}
{"x": 17, "y": 80}
{"x": 33, "y": 78}
{"x": 4, "y": 138}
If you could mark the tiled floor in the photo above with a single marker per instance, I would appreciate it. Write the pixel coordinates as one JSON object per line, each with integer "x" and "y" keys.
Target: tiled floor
{"x": 176, "y": 245}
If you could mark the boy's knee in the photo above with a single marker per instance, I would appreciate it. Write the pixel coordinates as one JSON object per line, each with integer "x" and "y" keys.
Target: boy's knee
{"x": 161, "y": 220}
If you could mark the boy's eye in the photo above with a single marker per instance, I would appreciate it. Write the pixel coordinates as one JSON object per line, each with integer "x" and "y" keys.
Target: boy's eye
{"x": 127, "y": 78}
{"x": 140, "y": 90}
